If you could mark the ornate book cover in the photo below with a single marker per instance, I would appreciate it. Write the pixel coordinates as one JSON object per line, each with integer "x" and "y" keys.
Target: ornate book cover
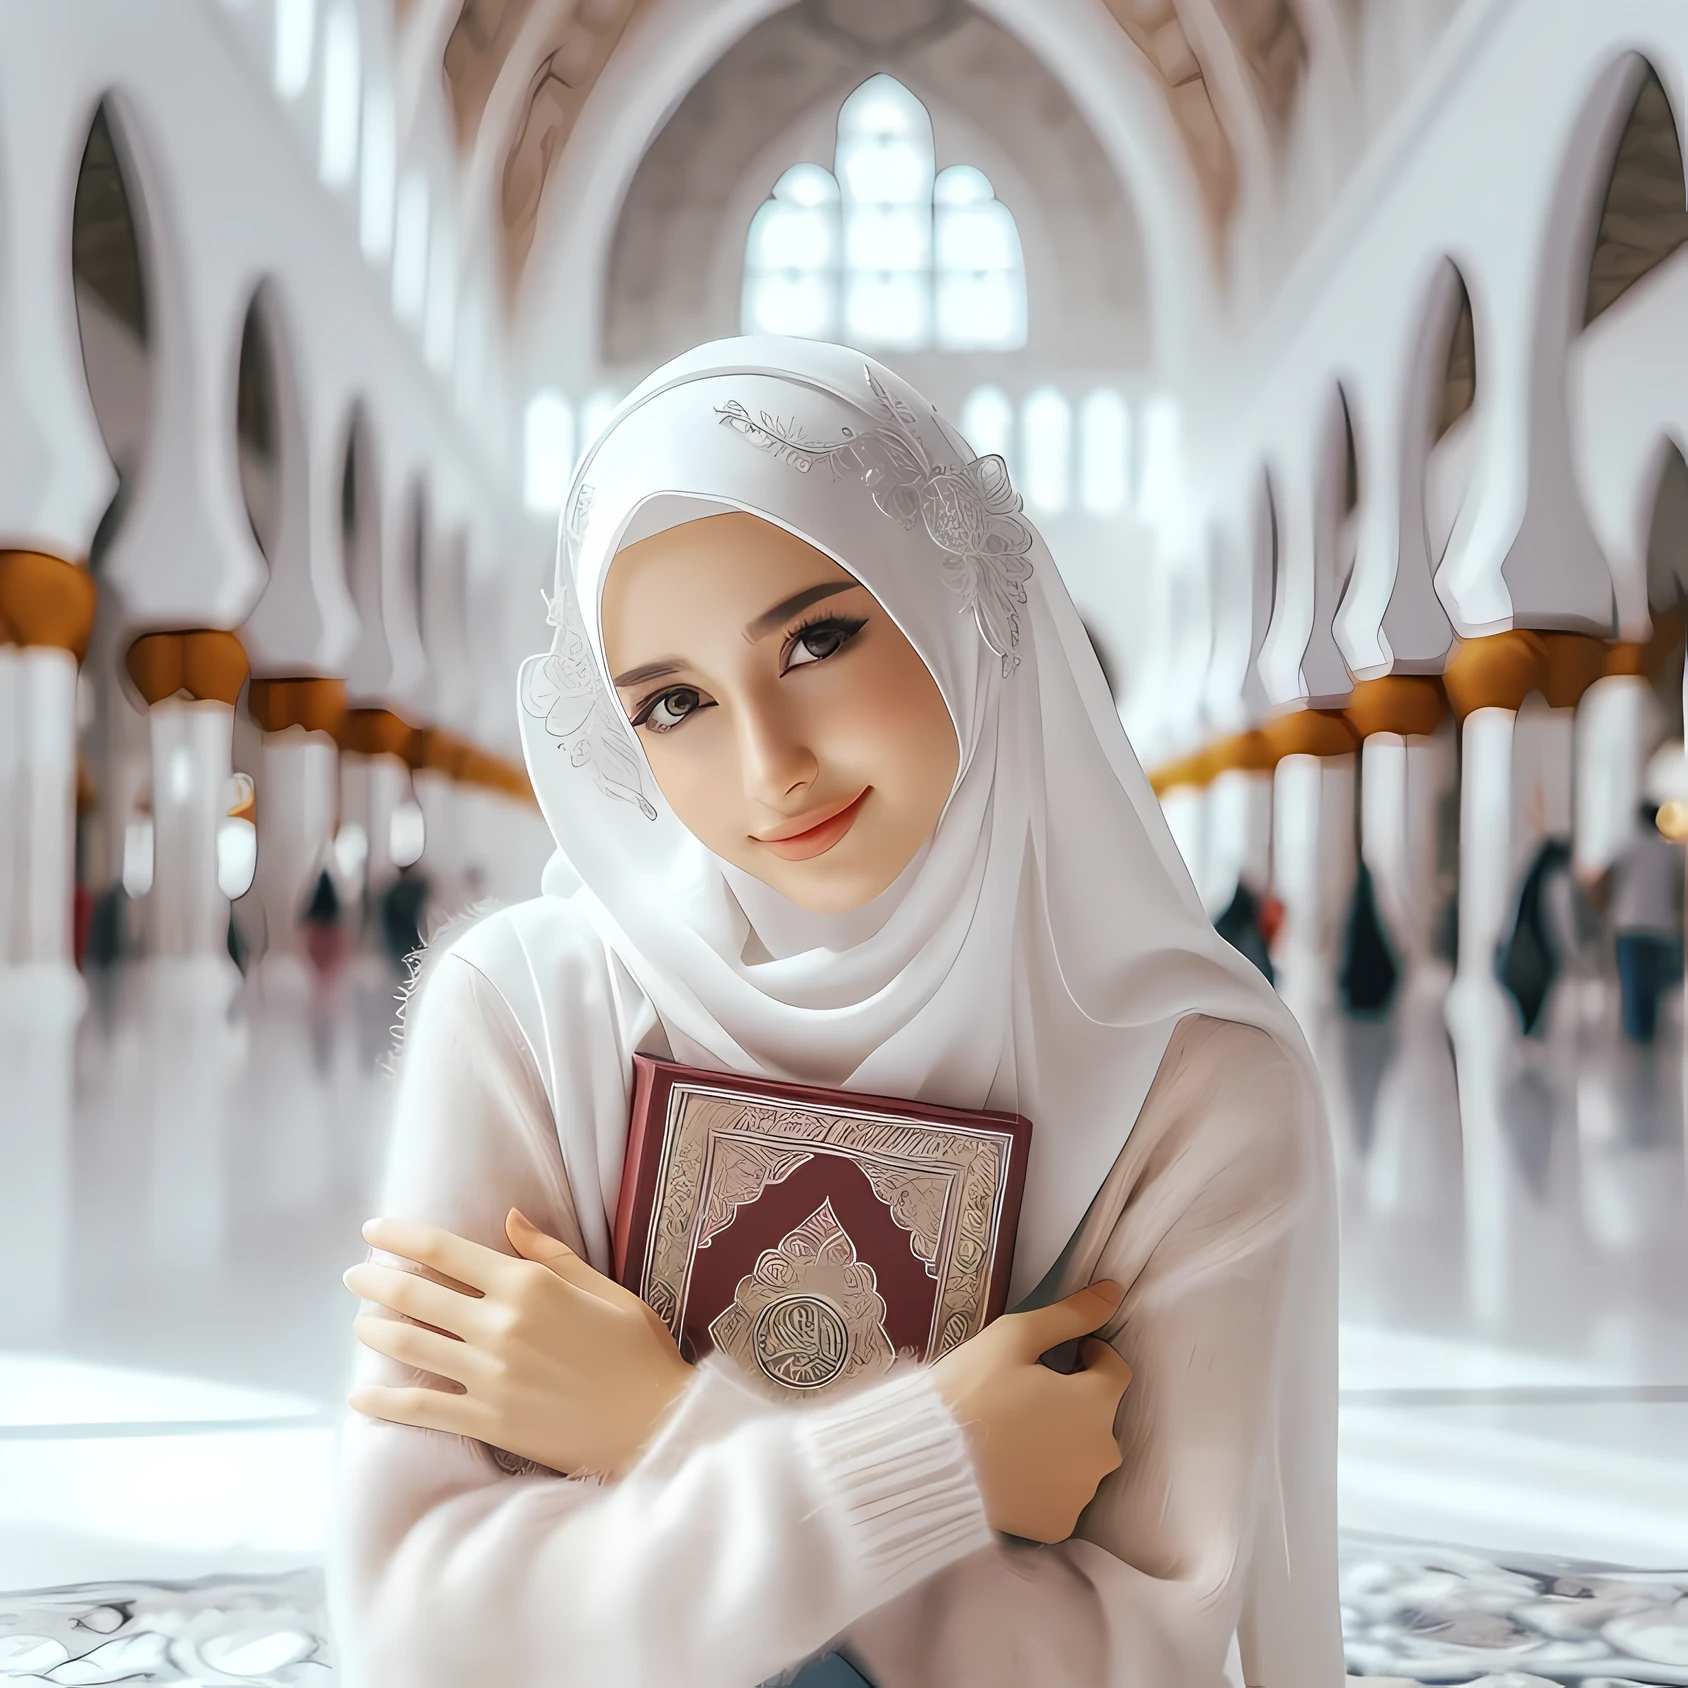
{"x": 814, "y": 1235}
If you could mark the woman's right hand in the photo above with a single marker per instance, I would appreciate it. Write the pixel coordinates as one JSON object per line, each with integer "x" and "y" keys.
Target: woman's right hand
{"x": 1041, "y": 1440}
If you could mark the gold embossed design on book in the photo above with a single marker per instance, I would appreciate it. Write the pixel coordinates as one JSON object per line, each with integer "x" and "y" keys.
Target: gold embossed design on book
{"x": 941, "y": 1185}
{"x": 809, "y": 1313}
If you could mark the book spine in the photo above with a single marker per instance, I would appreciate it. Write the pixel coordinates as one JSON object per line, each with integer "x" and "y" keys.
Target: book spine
{"x": 633, "y": 1168}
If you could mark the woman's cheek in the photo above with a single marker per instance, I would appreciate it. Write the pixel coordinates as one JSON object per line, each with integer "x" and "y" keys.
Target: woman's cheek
{"x": 704, "y": 793}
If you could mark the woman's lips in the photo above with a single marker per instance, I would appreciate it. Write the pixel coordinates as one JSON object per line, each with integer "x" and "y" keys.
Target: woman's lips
{"x": 819, "y": 834}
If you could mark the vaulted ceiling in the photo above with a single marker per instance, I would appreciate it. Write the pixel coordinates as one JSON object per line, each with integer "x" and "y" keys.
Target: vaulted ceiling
{"x": 517, "y": 74}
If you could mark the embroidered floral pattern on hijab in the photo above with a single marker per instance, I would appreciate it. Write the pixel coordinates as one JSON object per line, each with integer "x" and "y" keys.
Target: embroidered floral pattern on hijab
{"x": 567, "y": 691}
{"x": 971, "y": 511}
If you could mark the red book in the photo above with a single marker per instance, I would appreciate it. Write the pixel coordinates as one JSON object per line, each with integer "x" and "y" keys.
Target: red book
{"x": 813, "y": 1235}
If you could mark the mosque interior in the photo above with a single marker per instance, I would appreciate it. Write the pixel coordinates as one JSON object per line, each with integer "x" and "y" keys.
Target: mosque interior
{"x": 1339, "y": 348}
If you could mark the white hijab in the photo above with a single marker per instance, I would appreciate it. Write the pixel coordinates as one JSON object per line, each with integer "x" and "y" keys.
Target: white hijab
{"x": 1038, "y": 953}
{"x": 1035, "y": 956}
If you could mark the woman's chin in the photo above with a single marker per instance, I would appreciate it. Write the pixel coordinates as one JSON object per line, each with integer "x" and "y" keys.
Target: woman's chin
{"x": 823, "y": 886}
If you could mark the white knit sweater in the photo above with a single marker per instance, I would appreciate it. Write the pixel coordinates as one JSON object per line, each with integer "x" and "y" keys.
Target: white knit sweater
{"x": 751, "y": 1536}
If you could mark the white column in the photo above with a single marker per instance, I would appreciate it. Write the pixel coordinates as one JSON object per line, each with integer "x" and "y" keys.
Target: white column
{"x": 1312, "y": 874}
{"x": 46, "y": 777}
{"x": 192, "y": 747}
{"x": 1401, "y": 782}
{"x": 440, "y": 799}
{"x": 1616, "y": 731}
{"x": 1239, "y": 836}
{"x": 1485, "y": 842}
{"x": 1185, "y": 808}
{"x": 12, "y": 855}
{"x": 298, "y": 803}
{"x": 371, "y": 787}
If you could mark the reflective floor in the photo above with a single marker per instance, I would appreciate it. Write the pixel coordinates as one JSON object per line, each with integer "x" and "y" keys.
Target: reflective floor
{"x": 175, "y": 1216}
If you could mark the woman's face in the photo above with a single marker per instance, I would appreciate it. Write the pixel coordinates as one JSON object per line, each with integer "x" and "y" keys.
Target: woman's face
{"x": 790, "y": 725}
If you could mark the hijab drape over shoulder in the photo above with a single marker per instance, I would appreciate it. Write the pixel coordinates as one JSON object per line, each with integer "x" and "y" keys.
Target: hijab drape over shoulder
{"x": 1035, "y": 957}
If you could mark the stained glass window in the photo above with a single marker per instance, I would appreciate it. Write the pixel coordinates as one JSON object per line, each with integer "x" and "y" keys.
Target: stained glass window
{"x": 881, "y": 251}
{"x": 1104, "y": 452}
{"x": 791, "y": 267}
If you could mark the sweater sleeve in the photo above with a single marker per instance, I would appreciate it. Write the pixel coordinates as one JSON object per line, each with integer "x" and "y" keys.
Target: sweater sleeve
{"x": 745, "y": 1539}
{"x": 1199, "y": 1219}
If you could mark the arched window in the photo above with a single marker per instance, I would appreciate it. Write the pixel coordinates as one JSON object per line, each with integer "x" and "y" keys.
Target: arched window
{"x": 987, "y": 423}
{"x": 341, "y": 96}
{"x": 410, "y": 249}
{"x": 791, "y": 268}
{"x": 884, "y": 165}
{"x": 295, "y": 37}
{"x": 547, "y": 451}
{"x": 980, "y": 292}
{"x": 1104, "y": 431}
{"x": 1046, "y": 450}
{"x": 882, "y": 251}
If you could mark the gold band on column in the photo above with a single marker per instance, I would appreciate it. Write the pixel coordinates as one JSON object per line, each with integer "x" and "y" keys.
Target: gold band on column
{"x": 1412, "y": 705}
{"x": 46, "y": 601}
{"x": 1311, "y": 732}
{"x": 1497, "y": 672}
{"x": 376, "y": 732}
{"x": 317, "y": 705}
{"x": 208, "y": 663}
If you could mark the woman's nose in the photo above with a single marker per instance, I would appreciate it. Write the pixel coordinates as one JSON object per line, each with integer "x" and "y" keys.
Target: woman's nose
{"x": 775, "y": 760}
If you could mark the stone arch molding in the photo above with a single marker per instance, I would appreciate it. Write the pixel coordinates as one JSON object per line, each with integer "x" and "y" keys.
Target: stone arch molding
{"x": 186, "y": 504}
{"x": 1629, "y": 410}
{"x": 304, "y": 621}
{"x": 773, "y": 100}
{"x": 1390, "y": 619}
{"x": 1525, "y": 554}
{"x": 674, "y": 42}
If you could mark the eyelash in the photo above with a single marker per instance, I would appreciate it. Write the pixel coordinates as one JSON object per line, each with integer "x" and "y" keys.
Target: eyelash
{"x": 847, "y": 626}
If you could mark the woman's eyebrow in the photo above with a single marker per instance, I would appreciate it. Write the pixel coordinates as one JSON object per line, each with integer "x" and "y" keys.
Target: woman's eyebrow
{"x": 650, "y": 671}
{"x": 783, "y": 611}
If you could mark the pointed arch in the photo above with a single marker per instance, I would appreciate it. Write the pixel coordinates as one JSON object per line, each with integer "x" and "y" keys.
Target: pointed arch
{"x": 111, "y": 287}
{"x": 1644, "y": 214}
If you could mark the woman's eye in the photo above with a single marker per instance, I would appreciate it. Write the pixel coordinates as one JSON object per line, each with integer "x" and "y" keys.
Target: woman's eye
{"x": 817, "y": 643}
{"x": 668, "y": 709}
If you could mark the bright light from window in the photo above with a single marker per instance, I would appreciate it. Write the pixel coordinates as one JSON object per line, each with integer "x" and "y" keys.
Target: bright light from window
{"x": 595, "y": 415}
{"x": 340, "y": 96}
{"x": 407, "y": 834}
{"x": 295, "y": 35}
{"x": 137, "y": 858}
{"x": 1046, "y": 450}
{"x": 547, "y": 451}
{"x": 791, "y": 257}
{"x": 380, "y": 162}
{"x": 1104, "y": 451}
{"x": 1160, "y": 495}
{"x": 884, "y": 164}
{"x": 980, "y": 297}
{"x": 410, "y": 249}
{"x": 439, "y": 329}
{"x": 881, "y": 251}
{"x": 987, "y": 423}
{"x": 237, "y": 856}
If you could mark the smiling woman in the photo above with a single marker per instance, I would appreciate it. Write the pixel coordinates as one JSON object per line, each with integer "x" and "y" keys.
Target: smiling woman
{"x": 787, "y": 720}
{"x": 825, "y": 743}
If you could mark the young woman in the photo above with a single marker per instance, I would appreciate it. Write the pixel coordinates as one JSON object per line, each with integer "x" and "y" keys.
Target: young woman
{"x": 823, "y": 739}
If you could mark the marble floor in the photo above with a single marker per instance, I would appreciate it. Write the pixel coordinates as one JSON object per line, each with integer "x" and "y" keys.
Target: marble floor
{"x": 186, "y": 1167}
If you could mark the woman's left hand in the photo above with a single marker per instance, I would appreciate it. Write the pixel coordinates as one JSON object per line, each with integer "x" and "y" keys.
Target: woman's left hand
{"x": 557, "y": 1363}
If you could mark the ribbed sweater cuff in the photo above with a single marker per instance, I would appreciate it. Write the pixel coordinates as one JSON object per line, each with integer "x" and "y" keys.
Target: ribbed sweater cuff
{"x": 897, "y": 1463}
